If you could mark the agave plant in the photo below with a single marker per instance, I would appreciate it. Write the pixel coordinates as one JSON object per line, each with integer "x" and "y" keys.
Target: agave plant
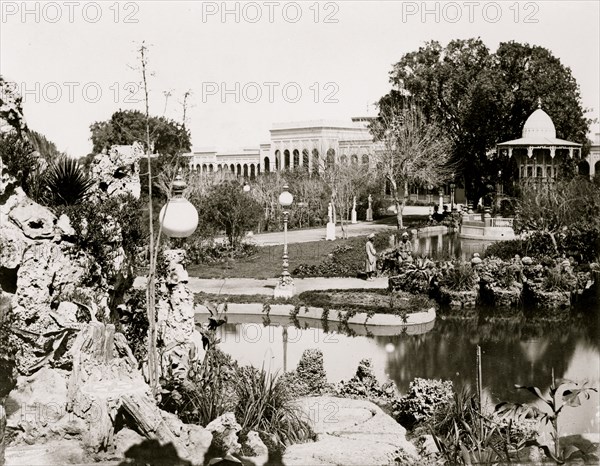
{"x": 66, "y": 183}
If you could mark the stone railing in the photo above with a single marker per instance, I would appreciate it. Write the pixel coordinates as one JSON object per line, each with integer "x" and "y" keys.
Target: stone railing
{"x": 501, "y": 222}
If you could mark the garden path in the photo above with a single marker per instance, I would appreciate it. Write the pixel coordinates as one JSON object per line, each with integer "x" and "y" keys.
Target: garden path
{"x": 250, "y": 286}
{"x": 317, "y": 234}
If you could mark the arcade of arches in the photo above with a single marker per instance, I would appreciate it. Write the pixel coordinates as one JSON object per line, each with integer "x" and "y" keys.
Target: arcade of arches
{"x": 311, "y": 146}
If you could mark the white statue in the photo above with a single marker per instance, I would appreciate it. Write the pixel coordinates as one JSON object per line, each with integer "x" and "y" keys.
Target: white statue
{"x": 330, "y": 213}
{"x": 370, "y": 201}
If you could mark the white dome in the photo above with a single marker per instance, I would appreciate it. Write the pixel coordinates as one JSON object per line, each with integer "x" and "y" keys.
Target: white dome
{"x": 539, "y": 124}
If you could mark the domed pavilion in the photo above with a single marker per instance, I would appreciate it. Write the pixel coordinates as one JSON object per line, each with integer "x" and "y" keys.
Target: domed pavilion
{"x": 538, "y": 152}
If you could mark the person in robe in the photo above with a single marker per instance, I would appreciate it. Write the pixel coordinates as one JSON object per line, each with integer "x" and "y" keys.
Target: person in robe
{"x": 371, "y": 261}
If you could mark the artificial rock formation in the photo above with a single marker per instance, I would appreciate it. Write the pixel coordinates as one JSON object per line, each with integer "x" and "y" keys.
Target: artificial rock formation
{"x": 118, "y": 171}
{"x": 175, "y": 317}
{"x": 43, "y": 269}
{"x": 350, "y": 432}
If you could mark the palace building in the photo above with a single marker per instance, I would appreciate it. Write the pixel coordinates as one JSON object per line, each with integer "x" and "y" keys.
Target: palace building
{"x": 311, "y": 145}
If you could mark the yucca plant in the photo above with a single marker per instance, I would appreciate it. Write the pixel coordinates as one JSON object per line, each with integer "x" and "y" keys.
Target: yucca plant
{"x": 266, "y": 406}
{"x": 66, "y": 183}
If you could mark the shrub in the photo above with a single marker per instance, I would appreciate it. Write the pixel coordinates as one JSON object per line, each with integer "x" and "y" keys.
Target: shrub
{"x": 311, "y": 370}
{"x": 89, "y": 221}
{"x": 419, "y": 405}
{"x": 556, "y": 279}
{"x": 459, "y": 277}
{"x": 207, "y": 393}
{"x": 7, "y": 349}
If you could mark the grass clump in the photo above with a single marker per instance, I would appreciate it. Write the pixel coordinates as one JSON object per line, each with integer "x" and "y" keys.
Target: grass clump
{"x": 266, "y": 406}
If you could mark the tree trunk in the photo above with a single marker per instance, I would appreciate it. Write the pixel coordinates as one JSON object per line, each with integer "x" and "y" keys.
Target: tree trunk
{"x": 399, "y": 210}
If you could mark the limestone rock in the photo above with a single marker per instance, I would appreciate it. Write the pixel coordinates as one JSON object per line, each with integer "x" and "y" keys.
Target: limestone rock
{"x": 118, "y": 172}
{"x": 12, "y": 244}
{"x": 64, "y": 224}
{"x": 255, "y": 445}
{"x": 37, "y": 406}
{"x": 36, "y": 221}
{"x": 198, "y": 443}
{"x": 350, "y": 432}
{"x": 124, "y": 440}
{"x": 56, "y": 452}
{"x": 225, "y": 428}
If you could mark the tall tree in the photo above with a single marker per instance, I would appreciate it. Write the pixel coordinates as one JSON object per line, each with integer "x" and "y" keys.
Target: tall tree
{"x": 414, "y": 151}
{"x": 483, "y": 98}
{"x": 166, "y": 137}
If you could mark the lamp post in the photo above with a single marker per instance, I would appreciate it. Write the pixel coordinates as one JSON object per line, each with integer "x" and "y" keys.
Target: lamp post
{"x": 452, "y": 188}
{"x": 429, "y": 195}
{"x": 285, "y": 286}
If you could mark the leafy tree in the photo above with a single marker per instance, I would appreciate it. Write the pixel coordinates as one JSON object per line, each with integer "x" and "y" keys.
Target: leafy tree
{"x": 233, "y": 210}
{"x": 484, "y": 98}
{"x": 414, "y": 152}
{"x": 166, "y": 136}
{"x": 46, "y": 148}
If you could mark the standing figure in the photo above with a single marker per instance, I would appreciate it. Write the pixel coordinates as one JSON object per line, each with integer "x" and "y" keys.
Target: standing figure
{"x": 371, "y": 262}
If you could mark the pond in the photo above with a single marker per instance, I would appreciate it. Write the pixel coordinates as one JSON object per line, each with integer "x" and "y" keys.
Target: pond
{"x": 513, "y": 352}
{"x": 441, "y": 246}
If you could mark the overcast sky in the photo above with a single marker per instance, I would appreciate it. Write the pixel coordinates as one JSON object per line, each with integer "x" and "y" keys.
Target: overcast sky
{"x": 260, "y": 63}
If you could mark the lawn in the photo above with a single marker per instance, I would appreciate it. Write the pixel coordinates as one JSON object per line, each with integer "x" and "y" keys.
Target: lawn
{"x": 266, "y": 262}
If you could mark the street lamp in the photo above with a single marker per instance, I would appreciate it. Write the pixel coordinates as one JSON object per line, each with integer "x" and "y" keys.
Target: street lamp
{"x": 178, "y": 217}
{"x": 285, "y": 287}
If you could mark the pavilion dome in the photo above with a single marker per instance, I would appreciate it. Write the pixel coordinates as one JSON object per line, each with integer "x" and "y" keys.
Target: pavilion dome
{"x": 539, "y": 124}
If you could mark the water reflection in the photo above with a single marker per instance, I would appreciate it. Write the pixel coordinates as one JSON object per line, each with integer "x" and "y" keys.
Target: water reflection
{"x": 441, "y": 246}
{"x": 515, "y": 352}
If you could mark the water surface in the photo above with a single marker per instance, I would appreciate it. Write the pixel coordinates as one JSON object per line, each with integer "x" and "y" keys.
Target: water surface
{"x": 516, "y": 352}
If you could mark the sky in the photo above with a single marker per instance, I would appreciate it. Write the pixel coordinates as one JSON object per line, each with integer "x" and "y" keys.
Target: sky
{"x": 249, "y": 65}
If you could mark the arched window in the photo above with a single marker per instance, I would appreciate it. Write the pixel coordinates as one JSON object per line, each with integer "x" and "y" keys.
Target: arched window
{"x": 232, "y": 168}
{"x": 277, "y": 160}
{"x": 330, "y": 161}
{"x": 286, "y": 159}
{"x": 245, "y": 170}
{"x": 354, "y": 159}
{"x": 211, "y": 168}
{"x": 305, "y": 159}
{"x": 239, "y": 170}
{"x": 267, "y": 165}
{"x": 203, "y": 168}
{"x": 296, "y": 158}
{"x": 252, "y": 172}
{"x": 365, "y": 159}
{"x": 344, "y": 159}
{"x": 315, "y": 161}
